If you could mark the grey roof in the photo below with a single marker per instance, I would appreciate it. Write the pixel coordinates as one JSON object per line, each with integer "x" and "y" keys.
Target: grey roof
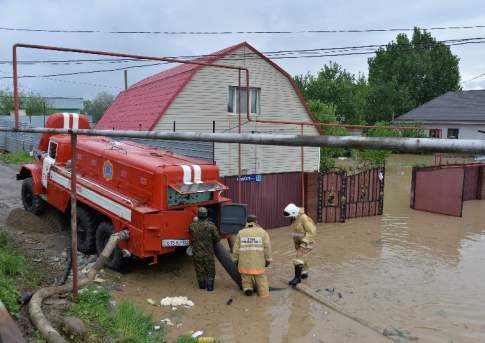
{"x": 67, "y": 103}
{"x": 461, "y": 106}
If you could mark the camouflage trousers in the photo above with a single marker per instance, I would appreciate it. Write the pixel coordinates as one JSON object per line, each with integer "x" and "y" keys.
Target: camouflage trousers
{"x": 258, "y": 281}
{"x": 204, "y": 267}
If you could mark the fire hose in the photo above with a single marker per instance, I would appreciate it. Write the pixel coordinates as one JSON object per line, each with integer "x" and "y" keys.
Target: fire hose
{"x": 35, "y": 305}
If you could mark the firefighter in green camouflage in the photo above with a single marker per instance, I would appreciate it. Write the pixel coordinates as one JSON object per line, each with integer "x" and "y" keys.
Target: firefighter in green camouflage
{"x": 204, "y": 236}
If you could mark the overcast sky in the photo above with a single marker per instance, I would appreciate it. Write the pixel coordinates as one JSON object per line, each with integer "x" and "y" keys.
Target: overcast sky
{"x": 248, "y": 15}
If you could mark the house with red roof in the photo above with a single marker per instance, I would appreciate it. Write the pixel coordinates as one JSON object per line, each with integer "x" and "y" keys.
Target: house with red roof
{"x": 199, "y": 98}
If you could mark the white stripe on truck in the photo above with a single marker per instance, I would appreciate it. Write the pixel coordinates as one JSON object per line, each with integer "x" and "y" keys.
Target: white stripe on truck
{"x": 187, "y": 174}
{"x": 197, "y": 173}
{"x": 75, "y": 121}
{"x": 66, "y": 120}
{"x": 96, "y": 198}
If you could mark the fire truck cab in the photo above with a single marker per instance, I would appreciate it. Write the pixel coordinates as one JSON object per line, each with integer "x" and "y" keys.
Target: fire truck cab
{"x": 123, "y": 185}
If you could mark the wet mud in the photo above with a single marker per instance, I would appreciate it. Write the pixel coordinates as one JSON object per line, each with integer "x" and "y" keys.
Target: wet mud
{"x": 414, "y": 273}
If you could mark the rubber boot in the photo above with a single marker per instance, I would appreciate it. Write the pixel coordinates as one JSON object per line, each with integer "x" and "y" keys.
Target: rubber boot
{"x": 202, "y": 284}
{"x": 304, "y": 275}
{"x": 297, "y": 279}
{"x": 210, "y": 284}
{"x": 248, "y": 292}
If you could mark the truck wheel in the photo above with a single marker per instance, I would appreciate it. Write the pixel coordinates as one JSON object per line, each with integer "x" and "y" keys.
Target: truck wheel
{"x": 103, "y": 233}
{"x": 32, "y": 203}
{"x": 86, "y": 230}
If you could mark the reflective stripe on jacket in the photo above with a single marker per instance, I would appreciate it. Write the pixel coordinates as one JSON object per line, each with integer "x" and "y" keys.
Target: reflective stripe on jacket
{"x": 252, "y": 248}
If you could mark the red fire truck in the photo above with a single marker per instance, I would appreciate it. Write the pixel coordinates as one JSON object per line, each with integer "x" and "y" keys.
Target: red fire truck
{"x": 123, "y": 185}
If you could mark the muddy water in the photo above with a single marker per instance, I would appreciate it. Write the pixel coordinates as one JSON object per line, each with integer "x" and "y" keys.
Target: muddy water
{"x": 407, "y": 270}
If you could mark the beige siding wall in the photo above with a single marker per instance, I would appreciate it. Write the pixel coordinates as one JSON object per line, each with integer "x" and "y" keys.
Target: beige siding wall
{"x": 205, "y": 99}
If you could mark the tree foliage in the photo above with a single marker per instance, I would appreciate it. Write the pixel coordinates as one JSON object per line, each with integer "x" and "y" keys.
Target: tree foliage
{"x": 33, "y": 103}
{"x": 335, "y": 86}
{"x": 409, "y": 72}
{"x": 98, "y": 105}
{"x": 404, "y": 74}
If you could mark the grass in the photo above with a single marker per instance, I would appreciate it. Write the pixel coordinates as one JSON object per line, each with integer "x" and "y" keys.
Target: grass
{"x": 12, "y": 267}
{"x": 15, "y": 274}
{"x": 17, "y": 157}
{"x": 125, "y": 324}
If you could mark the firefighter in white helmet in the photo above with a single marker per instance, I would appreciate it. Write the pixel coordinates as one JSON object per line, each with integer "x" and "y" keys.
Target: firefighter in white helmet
{"x": 252, "y": 254}
{"x": 304, "y": 232}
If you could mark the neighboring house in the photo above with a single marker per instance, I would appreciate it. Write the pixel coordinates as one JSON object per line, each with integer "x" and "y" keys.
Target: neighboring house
{"x": 194, "y": 98}
{"x": 456, "y": 114}
{"x": 62, "y": 104}
{"x": 57, "y": 104}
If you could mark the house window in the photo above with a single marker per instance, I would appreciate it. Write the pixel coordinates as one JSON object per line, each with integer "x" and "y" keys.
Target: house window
{"x": 233, "y": 100}
{"x": 452, "y": 133}
{"x": 434, "y": 133}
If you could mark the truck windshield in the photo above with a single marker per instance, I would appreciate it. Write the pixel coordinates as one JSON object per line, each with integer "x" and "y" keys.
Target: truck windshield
{"x": 180, "y": 194}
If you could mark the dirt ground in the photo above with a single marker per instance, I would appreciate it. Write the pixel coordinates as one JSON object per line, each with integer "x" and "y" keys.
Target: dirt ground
{"x": 407, "y": 270}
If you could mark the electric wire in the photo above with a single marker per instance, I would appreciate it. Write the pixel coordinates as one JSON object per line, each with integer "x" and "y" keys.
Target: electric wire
{"x": 320, "y": 31}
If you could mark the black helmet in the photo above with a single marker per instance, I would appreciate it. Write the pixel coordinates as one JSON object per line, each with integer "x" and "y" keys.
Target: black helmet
{"x": 202, "y": 213}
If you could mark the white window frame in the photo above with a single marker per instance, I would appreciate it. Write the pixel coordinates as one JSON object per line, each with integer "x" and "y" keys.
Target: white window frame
{"x": 51, "y": 143}
{"x": 235, "y": 102}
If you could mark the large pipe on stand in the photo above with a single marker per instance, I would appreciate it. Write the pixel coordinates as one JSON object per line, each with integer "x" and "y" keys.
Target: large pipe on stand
{"x": 412, "y": 145}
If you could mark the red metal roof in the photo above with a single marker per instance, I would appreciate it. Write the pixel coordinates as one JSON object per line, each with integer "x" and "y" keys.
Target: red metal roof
{"x": 141, "y": 106}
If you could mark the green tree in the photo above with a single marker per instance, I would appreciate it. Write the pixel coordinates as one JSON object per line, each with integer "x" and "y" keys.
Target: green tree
{"x": 98, "y": 105}
{"x": 33, "y": 103}
{"x": 326, "y": 114}
{"x": 335, "y": 86}
{"x": 409, "y": 72}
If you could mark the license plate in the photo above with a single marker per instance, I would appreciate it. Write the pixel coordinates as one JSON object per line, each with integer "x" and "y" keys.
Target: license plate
{"x": 175, "y": 243}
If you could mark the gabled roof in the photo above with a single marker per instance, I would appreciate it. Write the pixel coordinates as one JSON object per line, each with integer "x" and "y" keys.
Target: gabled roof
{"x": 461, "y": 106}
{"x": 142, "y": 105}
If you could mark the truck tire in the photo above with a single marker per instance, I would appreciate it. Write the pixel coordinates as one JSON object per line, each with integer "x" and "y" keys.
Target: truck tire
{"x": 116, "y": 261}
{"x": 32, "y": 203}
{"x": 87, "y": 223}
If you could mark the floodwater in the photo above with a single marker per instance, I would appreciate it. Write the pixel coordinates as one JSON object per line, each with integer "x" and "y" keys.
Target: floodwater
{"x": 407, "y": 270}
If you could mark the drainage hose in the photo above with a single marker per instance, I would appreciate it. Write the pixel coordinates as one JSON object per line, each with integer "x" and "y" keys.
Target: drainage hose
{"x": 35, "y": 306}
{"x": 224, "y": 257}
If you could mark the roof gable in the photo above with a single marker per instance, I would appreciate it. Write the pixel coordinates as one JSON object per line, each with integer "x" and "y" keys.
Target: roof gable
{"x": 452, "y": 106}
{"x": 142, "y": 105}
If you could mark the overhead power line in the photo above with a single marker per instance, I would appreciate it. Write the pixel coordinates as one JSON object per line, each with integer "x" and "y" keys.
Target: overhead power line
{"x": 276, "y": 55}
{"x": 132, "y": 32}
{"x": 271, "y": 54}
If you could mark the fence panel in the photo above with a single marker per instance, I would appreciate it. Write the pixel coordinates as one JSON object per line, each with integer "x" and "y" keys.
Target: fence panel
{"x": 331, "y": 192}
{"x": 267, "y": 195}
{"x": 365, "y": 193}
{"x": 470, "y": 186}
{"x": 438, "y": 189}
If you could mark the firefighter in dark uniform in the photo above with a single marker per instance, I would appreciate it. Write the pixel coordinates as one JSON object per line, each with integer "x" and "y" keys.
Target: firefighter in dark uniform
{"x": 204, "y": 236}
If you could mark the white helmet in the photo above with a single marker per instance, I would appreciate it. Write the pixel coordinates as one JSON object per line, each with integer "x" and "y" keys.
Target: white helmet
{"x": 291, "y": 210}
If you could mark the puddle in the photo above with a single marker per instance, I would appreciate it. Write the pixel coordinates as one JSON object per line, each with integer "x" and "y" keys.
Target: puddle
{"x": 407, "y": 270}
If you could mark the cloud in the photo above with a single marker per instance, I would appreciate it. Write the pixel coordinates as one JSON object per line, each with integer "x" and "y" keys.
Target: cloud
{"x": 249, "y": 15}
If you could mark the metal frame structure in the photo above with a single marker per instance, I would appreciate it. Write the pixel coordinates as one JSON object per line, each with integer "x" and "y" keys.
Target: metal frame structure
{"x": 401, "y": 144}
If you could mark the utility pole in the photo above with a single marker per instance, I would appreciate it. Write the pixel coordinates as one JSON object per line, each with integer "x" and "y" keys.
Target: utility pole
{"x": 126, "y": 79}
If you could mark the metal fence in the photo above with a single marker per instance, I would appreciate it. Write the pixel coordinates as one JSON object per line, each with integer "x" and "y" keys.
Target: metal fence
{"x": 443, "y": 189}
{"x": 337, "y": 195}
{"x": 267, "y": 195}
{"x": 17, "y": 141}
